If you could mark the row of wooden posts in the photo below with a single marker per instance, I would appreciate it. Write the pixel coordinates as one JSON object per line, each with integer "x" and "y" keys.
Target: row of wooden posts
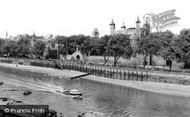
{"x": 98, "y": 71}
{"x": 108, "y": 72}
{"x": 112, "y": 73}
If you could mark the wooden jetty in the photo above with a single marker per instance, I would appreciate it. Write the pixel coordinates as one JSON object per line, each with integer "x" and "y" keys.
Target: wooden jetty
{"x": 79, "y": 76}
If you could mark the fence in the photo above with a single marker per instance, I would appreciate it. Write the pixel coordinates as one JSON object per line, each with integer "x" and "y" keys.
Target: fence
{"x": 112, "y": 73}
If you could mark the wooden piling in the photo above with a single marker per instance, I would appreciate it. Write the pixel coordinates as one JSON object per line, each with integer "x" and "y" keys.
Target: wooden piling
{"x": 147, "y": 76}
{"x": 128, "y": 75}
{"x": 137, "y": 75}
{"x": 120, "y": 75}
{"x": 141, "y": 76}
{"x": 124, "y": 75}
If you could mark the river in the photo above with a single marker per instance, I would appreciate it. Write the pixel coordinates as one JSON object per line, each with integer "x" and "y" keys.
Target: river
{"x": 109, "y": 99}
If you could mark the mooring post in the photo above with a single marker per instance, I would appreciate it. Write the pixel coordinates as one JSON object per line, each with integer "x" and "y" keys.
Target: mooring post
{"x": 107, "y": 73}
{"x": 124, "y": 75}
{"x": 137, "y": 75}
{"x": 120, "y": 73}
{"x": 147, "y": 76}
{"x": 94, "y": 70}
{"x": 110, "y": 73}
{"x": 117, "y": 74}
{"x": 132, "y": 75}
{"x": 104, "y": 72}
{"x": 141, "y": 76}
{"x": 98, "y": 71}
{"x": 128, "y": 75}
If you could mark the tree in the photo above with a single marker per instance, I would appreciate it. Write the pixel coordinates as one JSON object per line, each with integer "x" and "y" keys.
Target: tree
{"x": 38, "y": 49}
{"x": 63, "y": 40}
{"x": 24, "y": 47}
{"x": 119, "y": 45}
{"x": 149, "y": 45}
{"x": 85, "y": 45}
{"x": 7, "y": 48}
{"x": 2, "y": 43}
{"x": 102, "y": 47}
{"x": 167, "y": 49}
{"x": 94, "y": 46}
{"x": 182, "y": 45}
{"x": 70, "y": 43}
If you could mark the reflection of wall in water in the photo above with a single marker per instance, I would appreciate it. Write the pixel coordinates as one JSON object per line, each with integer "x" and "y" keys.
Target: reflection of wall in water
{"x": 135, "y": 93}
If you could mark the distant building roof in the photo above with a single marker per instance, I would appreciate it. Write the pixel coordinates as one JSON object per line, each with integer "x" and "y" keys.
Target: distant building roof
{"x": 132, "y": 28}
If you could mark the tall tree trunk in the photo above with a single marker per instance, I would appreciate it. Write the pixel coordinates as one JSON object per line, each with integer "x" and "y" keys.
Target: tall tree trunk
{"x": 116, "y": 59}
{"x": 150, "y": 59}
{"x": 144, "y": 61}
{"x": 105, "y": 60}
{"x": 170, "y": 66}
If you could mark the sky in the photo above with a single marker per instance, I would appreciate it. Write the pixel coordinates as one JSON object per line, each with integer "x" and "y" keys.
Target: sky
{"x": 73, "y": 17}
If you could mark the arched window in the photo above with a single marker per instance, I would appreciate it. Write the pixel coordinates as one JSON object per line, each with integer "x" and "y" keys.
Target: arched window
{"x": 78, "y": 57}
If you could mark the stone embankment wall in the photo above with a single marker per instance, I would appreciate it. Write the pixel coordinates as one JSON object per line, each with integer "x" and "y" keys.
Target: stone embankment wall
{"x": 112, "y": 73}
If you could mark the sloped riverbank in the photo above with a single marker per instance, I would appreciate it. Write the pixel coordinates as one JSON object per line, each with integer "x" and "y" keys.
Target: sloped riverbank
{"x": 172, "y": 89}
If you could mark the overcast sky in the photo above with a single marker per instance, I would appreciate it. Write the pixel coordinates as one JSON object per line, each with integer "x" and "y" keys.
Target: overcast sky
{"x": 71, "y": 17}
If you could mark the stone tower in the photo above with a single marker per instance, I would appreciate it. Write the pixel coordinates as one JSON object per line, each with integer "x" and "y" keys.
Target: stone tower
{"x": 146, "y": 28}
{"x": 138, "y": 28}
{"x": 112, "y": 28}
{"x": 123, "y": 28}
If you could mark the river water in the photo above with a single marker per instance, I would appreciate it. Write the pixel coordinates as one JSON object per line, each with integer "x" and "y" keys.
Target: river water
{"x": 111, "y": 100}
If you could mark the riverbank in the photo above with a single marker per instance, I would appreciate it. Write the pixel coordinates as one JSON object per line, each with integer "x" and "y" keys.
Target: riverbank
{"x": 171, "y": 89}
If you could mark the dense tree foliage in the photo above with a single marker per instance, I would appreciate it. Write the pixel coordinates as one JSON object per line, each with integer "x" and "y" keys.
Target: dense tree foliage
{"x": 182, "y": 45}
{"x": 102, "y": 48}
{"x": 165, "y": 44}
{"x": 149, "y": 45}
{"x": 167, "y": 48}
{"x": 23, "y": 50}
{"x": 119, "y": 45}
{"x": 38, "y": 49}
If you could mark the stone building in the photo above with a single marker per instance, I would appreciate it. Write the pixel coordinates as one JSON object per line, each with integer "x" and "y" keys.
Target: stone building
{"x": 135, "y": 35}
{"x": 134, "y": 32}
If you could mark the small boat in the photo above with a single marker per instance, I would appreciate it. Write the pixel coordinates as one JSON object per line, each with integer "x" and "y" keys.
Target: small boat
{"x": 27, "y": 92}
{"x": 90, "y": 114}
{"x": 75, "y": 92}
{"x": 72, "y": 92}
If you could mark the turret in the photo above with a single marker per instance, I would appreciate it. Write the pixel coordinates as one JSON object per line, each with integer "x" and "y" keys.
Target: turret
{"x": 34, "y": 35}
{"x": 123, "y": 27}
{"x": 138, "y": 27}
{"x": 112, "y": 28}
{"x": 146, "y": 28}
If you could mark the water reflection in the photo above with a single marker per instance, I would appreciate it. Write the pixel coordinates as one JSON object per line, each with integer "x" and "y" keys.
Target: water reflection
{"x": 123, "y": 101}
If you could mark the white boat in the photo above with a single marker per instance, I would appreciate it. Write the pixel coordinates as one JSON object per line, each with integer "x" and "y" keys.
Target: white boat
{"x": 75, "y": 92}
{"x": 71, "y": 92}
